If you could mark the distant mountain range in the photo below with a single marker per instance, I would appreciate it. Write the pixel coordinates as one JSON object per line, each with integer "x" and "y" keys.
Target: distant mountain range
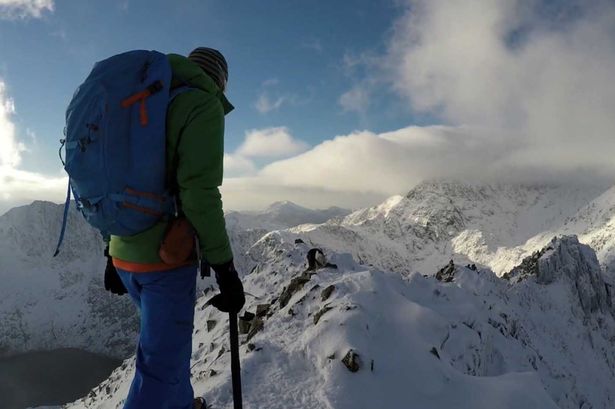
{"x": 491, "y": 225}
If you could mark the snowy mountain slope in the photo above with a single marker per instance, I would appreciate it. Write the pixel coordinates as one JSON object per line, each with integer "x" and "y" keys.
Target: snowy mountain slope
{"x": 478, "y": 341}
{"x": 48, "y": 302}
{"x": 492, "y": 225}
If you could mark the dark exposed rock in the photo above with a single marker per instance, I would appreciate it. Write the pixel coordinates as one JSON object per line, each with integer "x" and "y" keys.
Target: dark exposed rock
{"x": 262, "y": 309}
{"x": 316, "y": 287}
{"x": 527, "y": 268}
{"x": 352, "y": 361}
{"x": 295, "y": 285}
{"x": 211, "y": 324}
{"x": 326, "y": 293}
{"x": 248, "y": 316}
{"x": 257, "y": 324}
{"x": 244, "y": 325}
{"x": 435, "y": 352}
{"x": 299, "y": 241}
{"x": 251, "y": 323}
{"x": 446, "y": 274}
{"x": 251, "y": 347}
{"x": 350, "y": 307}
{"x": 322, "y": 312}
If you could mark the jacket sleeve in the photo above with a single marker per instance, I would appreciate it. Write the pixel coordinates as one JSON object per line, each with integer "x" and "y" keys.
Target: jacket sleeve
{"x": 200, "y": 155}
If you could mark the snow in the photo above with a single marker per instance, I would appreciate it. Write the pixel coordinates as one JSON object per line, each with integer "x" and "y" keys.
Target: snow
{"x": 536, "y": 336}
{"x": 48, "y": 303}
{"x": 490, "y": 225}
{"x": 499, "y": 344}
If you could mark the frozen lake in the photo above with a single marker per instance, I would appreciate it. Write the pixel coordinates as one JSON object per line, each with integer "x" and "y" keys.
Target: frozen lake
{"x": 51, "y": 377}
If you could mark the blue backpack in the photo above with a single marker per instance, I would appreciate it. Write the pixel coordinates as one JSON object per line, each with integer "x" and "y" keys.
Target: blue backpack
{"x": 115, "y": 139}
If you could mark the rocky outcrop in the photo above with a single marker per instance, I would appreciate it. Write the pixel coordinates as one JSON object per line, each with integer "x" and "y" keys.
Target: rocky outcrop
{"x": 565, "y": 259}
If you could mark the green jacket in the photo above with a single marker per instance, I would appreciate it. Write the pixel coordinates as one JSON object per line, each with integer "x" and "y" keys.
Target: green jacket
{"x": 195, "y": 152}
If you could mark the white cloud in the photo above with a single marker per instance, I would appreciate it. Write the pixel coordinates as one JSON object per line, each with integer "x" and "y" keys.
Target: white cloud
{"x": 265, "y": 103}
{"x": 22, "y": 186}
{"x": 12, "y": 9}
{"x": 313, "y": 44}
{"x": 363, "y": 168}
{"x": 270, "y": 143}
{"x": 270, "y": 82}
{"x": 257, "y": 193}
{"x": 19, "y": 186}
{"x": 237, "y": 165}
{"x": 356, "y": 99}
{"x": 552, "y": 90}
{"x": 391, "y": 163}
{"x": 10, "y": 154}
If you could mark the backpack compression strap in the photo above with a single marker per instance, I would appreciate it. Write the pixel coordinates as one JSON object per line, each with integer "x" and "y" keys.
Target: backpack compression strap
{"x": 141, "y": 97}
{"x": 64, "y": 219}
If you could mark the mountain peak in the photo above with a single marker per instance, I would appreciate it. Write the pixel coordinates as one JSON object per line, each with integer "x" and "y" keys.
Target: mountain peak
{"x": 284, "y": 205}
{"x": 566, "y": 259}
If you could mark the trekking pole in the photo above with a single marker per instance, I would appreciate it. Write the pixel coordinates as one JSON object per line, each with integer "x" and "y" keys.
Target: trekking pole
{"x": 235, "y": 366}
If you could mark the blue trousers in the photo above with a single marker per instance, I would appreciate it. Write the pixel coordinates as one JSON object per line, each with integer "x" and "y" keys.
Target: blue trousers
{"x": 166, "y": 300}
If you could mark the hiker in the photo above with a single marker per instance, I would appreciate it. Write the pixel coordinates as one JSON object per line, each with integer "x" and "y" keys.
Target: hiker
{"x": 166, "y": 293}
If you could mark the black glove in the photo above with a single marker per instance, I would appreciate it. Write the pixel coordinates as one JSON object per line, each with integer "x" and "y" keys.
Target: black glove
{"x": 113, "y": 282}
{"x": 231, "y": 297}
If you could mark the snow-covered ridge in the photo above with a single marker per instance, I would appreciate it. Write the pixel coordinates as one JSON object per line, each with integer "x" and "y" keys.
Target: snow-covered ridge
{"x": 414, "y": 341}
{"x": 491, "y": 225}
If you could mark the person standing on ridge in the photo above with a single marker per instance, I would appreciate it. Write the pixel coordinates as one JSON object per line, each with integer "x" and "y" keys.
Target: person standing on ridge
{"x": 166, "y": 293}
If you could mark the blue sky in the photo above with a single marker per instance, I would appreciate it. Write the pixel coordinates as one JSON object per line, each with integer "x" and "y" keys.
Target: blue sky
{"x": 287, "y": 51}
{"x": 337, "y": 103}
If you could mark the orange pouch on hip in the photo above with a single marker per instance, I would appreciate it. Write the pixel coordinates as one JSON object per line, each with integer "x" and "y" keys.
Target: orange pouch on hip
{"x": 178, "y": 243}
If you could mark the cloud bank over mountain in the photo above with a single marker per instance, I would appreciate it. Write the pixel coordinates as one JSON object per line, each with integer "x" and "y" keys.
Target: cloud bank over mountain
{"x": 525, "y": 90}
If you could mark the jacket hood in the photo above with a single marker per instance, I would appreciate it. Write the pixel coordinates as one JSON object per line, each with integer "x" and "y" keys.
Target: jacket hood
{"x": 185, "y": 72}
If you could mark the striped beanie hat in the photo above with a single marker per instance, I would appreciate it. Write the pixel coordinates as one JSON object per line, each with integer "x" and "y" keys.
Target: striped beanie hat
{"x": 213, "y": 63}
